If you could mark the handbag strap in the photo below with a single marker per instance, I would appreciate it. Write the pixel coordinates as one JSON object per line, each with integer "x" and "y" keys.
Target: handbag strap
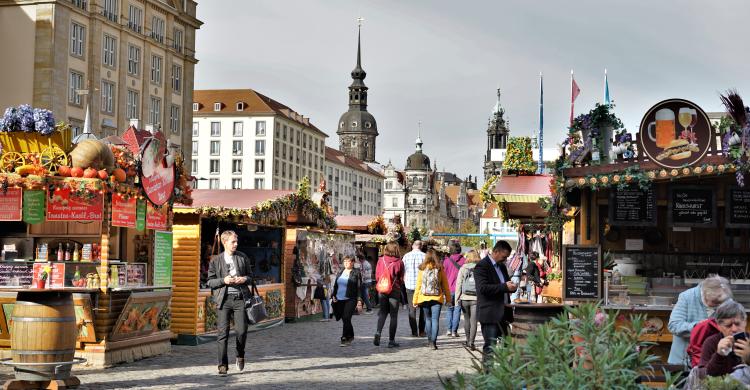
{"x": 254, "y": 289}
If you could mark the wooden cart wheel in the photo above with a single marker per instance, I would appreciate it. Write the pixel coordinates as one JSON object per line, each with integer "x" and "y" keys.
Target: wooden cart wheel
{"x": 52, "y": 158}
{"x": 10, "y": 160}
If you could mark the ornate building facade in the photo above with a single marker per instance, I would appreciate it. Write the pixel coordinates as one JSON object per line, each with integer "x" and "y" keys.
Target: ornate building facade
{"x": 497, "y": 138}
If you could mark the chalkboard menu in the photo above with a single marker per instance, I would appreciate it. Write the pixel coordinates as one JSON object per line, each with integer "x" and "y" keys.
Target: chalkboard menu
{"x": 738, "y": 207}
{"x": 16, "y": 274}
{"x": 582, "y": 272}
{"x": 692, "y": 206}
{"x": 632, "y": 206}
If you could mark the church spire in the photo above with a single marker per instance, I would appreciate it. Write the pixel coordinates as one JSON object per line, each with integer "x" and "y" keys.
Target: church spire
{"x": 359, "y": 74}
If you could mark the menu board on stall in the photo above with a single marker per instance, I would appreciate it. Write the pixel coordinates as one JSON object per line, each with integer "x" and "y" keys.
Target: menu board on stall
{"x": 73, "y": 201}
{"x": 57, "y": 277}
{"x": 582, "y": 272}
{"x": 162, "y": 258}
{"x": 16, "y": 274}
{"x": 692, "y": 206}
{"x": 136, "y": 274}
{"x": 140, "y": 215}
{"x": 10, "y": 204}
{"x": 632, "y": 206}
{"x": 156, "y": 217}
{"x": 33, "y": 206}
{"x": 123, "y": 210}
{"x": 737, "y": 205}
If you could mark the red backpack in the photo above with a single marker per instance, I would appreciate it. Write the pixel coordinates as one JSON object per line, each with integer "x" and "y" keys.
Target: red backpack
{"x": 385, "y": 282}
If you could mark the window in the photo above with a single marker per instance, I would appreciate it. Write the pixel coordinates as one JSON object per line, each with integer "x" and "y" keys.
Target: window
{"x": 154, "y": 111}
{"x": 196, "y": 126}
{"x": 77, "y": 39}
{"x": 174, "y": 119}
{"x": 131, "y": 109}
{"x": 157, "y": 29}
{"x": 108, "y": 93}
{"x": 283, "y": 169}
{"x": 194, "y": 167}
{"x": 134, "y": 60}
{"x": 135, "y": 18}
{"x": 213, "y": 184}
{"x": 156, "y": 69}
{"x": 414, "y": 201}
{"x": 260, "y": 128}
{"x": 196, "y": 106}
{"x": 237, "y": 129}
{"x": 215, "y": 148}
{"x": 237, "y": 166}
{"x": 215, "y": 129}
{"x": 177, "y": 78}
{"x": 283, "y": 134}
{"x": 240, "y": 106}
{"x": 237, "y": 148}
{"x": 260, "y": 148}
{"x": 316, "y": 145}
{"x": 304, "y": 140}
{"x": 77, "y": 129}
{"x": 178, "y": 40}
{"x": 236, "y": 184}
{"x": 260, "y": 166}
{"x": 76, "y": 83}
{"x": 283, "y": 152}
{"x": 82, "y": 4}
{"x": 388, "y": 185}
{"x": 109, "y": 48}
{"x": 217, "y": 106}
{"x": 195, "y": 148}
{"x": 298, "y": 137}
{"x": 291, "y": 135}
{"x": 259, "y": 183}
{"x": 214, "y": 167}
{"x": 110, "y": 10}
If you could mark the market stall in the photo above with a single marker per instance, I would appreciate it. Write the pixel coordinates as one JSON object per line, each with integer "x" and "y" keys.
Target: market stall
{"x": 663, "y": 209}
{"x": 94, "y": 219}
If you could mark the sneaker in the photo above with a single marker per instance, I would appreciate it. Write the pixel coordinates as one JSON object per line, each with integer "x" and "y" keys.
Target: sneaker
{"x": 449, "y": 334}
{"x": 376, "y": 340}
{"x": 240, "y": 364}
{"x": 344, "y": 342}
{"x": 222, "y": 370}
{"x": 393, "y": 344}
{"x": 455, "y": 334}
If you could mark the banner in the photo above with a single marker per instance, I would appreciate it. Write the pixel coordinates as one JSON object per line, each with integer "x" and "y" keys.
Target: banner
{"x": 156, "y": 217}
{"x": 123, "y": 211}
{"x": 10, "y": 204}
{"x": 140, "y": 215}
{"x": 162, "y": 258}
{"x": 73, "y": 201}
{"x": 33, "y": 206}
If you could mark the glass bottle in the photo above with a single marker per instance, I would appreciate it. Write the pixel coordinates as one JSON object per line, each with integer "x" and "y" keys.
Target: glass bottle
{"x": 68, "y": 252}
{"x": 60, "y": 253}
{"x": 76, "y": 253}
{"x": 76, "y": 277}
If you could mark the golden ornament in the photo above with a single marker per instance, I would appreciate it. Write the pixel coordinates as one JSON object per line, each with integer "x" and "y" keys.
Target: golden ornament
{"x": 697, "y": 170}
{"x": 628, "y": 178}
{"x": 616, "y": 178}
{"x": 709, "y": 169}
{"x": 674, "y": 172}
{"x": 721, "y": 168}
{"x": 686, "y": 171}
{"x": 592, "y": 180}
{"x": 605, "y": 179}
{"x": 663, "y": 173}
{"x": 581, "y": 181}
{"x": 651, "y": 174}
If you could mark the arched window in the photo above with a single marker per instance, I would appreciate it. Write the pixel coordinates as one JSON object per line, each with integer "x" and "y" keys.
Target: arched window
{"x": 414, "y": 201}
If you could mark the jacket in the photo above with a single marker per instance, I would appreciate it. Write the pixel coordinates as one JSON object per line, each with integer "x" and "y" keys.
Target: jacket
{"x": 533, "y": 273}
{"x": 396, "y": 267}
{"x": 491, "y": 294}
{"x": 717, "y": 365}
{"x": 352, "y": 286}
{"x": 218, "y": 269}
{"x": 698, "y": 336}
{"x": 451, "y": 270}
{"x": 686, "y": 313}
{"x": 444, "y": 297}
{"x": 462, "y": 274}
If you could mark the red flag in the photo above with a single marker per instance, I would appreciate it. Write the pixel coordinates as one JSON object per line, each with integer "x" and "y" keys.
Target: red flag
{"x": 574, "y": 92}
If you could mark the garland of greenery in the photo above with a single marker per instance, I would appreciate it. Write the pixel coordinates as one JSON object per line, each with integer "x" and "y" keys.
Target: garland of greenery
{"x": 519, "y": 158}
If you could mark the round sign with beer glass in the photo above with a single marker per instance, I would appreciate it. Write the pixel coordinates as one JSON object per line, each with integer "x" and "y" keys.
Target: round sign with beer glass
{"x": 675, "y": 133}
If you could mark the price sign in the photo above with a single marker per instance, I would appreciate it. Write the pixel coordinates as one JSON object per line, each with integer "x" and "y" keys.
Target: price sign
{"x": 140, "y": 215}
{"x": 162, "y": 258}
{"x": 692, "y": 206}
{"x": 33, "y": 206}
{"x": 123, "y": 211}
{"x": 156, "y": 217}
{"x": 582, "y": 272}
{"x": 632, "y": 206}
{"x": 15, "y": 274}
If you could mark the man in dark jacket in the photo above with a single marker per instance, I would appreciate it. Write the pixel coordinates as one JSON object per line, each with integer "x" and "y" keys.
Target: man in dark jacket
{"x": 229, "y": 274}
{"x": 493, "y": 293}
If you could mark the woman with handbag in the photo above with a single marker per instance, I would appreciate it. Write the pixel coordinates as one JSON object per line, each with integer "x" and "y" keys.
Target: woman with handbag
{"x": 345, "y": 295}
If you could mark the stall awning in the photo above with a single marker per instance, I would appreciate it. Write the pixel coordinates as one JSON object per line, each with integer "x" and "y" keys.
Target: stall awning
{"x": 357, "y": 223}
{"x": 235, "y": 199}
{"x": 521, "y": 193}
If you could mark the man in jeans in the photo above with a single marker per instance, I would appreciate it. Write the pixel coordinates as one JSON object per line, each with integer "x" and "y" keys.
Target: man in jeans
{"x": 412, "y": 260}
{"x": 228, "y": 277}
{"x": 452, "y": 264}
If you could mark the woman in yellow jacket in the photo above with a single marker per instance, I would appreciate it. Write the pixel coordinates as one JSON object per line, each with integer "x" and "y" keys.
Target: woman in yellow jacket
{"x": 431, "y": 293}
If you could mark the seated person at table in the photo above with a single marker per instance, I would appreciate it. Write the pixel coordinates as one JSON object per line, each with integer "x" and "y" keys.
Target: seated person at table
{"x": 721, "y": 352}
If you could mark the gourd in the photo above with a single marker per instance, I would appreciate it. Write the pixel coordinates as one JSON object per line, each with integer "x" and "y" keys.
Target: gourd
{"x": 92, "y": 154}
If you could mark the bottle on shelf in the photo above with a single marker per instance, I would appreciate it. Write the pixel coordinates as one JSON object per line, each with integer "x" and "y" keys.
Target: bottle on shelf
{"x": 68, "y": 252}
{"x": 60, "y": 253}
{"x": 76, "y": 253}
{"x": 77, "y": 278}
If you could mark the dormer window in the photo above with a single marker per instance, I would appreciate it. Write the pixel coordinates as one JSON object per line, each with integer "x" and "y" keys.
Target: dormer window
{"x": 196, "y": 106}
{"x": 354, "y": 124}
{"x": 240, "y": 106}
{"x": 368, "y": 125}
{"x": 341, "y": 125}
{"x": 217, "y": 106}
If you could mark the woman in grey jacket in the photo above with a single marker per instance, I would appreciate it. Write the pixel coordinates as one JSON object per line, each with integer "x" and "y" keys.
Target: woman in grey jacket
{"x": 466, "y": 297}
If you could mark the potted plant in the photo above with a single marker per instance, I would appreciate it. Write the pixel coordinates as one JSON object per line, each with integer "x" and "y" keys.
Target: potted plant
{"x": 41, "y": 282}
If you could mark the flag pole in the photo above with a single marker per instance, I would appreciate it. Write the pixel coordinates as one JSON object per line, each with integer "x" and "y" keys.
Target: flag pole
{"x": 540, "y": 163}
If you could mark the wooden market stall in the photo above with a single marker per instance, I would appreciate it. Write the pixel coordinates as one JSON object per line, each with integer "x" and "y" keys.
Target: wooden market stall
{"x": 95, "y": 222}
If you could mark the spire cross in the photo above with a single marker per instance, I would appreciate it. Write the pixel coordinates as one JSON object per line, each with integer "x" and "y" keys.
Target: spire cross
{"x": 419, "y": 129}
{"x": 359, "y": 21}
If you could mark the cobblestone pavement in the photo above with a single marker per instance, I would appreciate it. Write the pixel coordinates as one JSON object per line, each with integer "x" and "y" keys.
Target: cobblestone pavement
{"x": 296, "y": 356}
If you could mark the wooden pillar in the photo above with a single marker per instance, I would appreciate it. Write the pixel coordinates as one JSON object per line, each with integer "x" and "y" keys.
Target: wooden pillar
{"x": 186, "y": 266}
{"x": 290, "y": 295}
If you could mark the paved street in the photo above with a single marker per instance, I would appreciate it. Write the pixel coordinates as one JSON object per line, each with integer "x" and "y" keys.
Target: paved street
{"x": 295, "y": 356}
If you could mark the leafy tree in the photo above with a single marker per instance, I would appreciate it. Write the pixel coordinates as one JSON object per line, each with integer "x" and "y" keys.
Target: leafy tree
{"x": 415, "y": 234}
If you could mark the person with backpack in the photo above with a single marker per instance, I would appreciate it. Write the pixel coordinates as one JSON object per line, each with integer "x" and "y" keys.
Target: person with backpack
{"x": 389, "y": 274}
{"x": 432, "y": 292}
{"x": 452, "y": 264}
{"x": 466, "y": 297}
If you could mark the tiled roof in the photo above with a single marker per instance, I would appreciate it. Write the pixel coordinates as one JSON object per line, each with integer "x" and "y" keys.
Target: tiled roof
{"x": 489, "y": 212}
{"x": 353, "y": 222}
{"x": 237, "y": 199}
{"x": 338, "y": 157}
{"x": 523, "y": 185}
{"x": 254, "y": 103}
{"x": 451, "y": 192}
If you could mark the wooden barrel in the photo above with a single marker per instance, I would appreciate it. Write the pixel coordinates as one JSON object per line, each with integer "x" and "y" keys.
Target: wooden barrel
{"x": 43, "y": 331}
{"x": 528, "y": 317}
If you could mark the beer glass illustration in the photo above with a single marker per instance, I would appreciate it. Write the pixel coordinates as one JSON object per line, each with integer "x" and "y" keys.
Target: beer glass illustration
{"x": 664, "y": 126}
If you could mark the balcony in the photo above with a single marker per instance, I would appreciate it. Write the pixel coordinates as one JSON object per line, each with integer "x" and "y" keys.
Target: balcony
{"x": 110, "y": 15}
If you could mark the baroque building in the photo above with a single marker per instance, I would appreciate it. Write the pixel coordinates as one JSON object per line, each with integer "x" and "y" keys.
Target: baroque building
{"x": 497, "y": 138}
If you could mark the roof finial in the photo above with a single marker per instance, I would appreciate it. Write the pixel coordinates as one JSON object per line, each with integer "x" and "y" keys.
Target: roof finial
{"x": 359, "y": 33}
{"x": 419, "y": 136}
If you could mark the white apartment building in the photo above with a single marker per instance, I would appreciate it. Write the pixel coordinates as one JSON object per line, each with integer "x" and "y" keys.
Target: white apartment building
{"x": 242, "y": 139}
{"x": 125, "y": 59}
{"x": 356, "y": 188}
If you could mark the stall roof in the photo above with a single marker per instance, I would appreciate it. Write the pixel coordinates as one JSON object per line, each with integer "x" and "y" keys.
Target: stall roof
{"x": 236, "y": 199}
{"x": 354, "y": 222}
{"x": 522, "y": 194}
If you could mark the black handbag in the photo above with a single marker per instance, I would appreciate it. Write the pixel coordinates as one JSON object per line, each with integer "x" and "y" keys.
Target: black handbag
{"x": 255, "y": 308}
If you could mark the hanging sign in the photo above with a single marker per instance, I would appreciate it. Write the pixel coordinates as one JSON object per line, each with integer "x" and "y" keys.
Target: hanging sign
{"x": 156, "y": 217}
{"x": 157, "y": 177}
{"x": 10, "y": 204}
{"x": 123, "y": 211}
{"x": 72, "y": 201}
{"x": 162, "y": 258}
{"x": 140, "y": 215}
{"x": 675, "y": 133}
{"x": 33, "y": 206}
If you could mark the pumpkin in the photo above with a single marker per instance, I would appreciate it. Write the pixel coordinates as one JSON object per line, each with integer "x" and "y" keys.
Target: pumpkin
{"x": 120, "y": 175}
{"x": 90, "y": 173}
{"x": 63, "y": 171}
{"x": 76, "y": 172}
{"x": 103, "y": 174}
{"x": 94, "y": 154}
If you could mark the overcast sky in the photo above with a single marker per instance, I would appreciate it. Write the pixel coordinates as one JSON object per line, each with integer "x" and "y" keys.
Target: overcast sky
{"x": 441, "y": 61}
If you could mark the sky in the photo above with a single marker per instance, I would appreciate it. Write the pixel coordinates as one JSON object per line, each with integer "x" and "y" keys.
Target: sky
{"x": 439, "y": 62}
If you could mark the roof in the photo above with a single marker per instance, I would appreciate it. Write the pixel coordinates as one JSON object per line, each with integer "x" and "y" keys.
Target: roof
{"x": 339, "y": 157}
{"x": 489, "y": 212}
{"x": 418, "y": 161}
{"x": 237, "y": 199}
{"x": 255, "y": 103}
{"x": 354, "y": 222}
{"x": 523, "y": 185}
